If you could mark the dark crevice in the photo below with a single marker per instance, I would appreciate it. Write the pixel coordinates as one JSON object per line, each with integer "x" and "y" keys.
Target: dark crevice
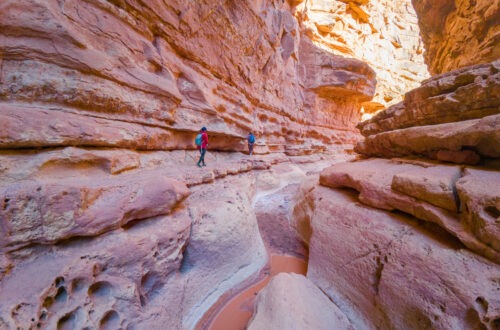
{"x": 458, "y": 202}
{"x": 492, "y": 211}
{"x": 378, "y": 274}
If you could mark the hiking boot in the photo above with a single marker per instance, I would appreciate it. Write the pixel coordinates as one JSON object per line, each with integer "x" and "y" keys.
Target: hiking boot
{"x": 198, "y": 165}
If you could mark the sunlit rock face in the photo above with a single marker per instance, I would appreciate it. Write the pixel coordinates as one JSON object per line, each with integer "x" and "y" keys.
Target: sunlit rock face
{"x": 382, "y": 33}
{"x": 458, "y": 33}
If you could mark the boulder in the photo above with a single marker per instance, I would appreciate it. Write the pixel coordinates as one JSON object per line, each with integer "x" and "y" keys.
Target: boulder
{"x": 291, "y": 301}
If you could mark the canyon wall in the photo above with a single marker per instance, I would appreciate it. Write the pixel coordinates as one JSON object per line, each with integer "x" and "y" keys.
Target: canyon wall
{"x": 384, "y": 34}
{"x": 458, "y": 33}
{"x": 105, "y": 221}
{"x": 410, "y": 240}
{"x": 147, "y": 76}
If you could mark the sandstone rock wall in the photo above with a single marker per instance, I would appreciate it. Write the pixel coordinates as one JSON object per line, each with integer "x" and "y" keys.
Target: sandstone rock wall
{"x": 146, "y": 76}
{"x": 384, "y": 34}
{"x": 414, "y": 241}
{"x": 452, "y": 117}
{"x": 387, "y": 270}
{"x": 458, "y": 33}
{"x": 99, "y": 105}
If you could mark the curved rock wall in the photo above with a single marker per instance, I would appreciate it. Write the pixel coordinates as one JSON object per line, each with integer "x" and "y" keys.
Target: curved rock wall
{"x": 458, "y": 33}
{"x": 384, "y": 34}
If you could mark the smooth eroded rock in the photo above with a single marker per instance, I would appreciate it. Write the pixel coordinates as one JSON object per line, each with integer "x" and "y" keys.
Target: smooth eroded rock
{"x": 291, "y": 301}
{"x": 384, "y": 270}
{"x": 111, "y": 280}
{"x": 48, "y": 211}
{"x": 479, "y": 192}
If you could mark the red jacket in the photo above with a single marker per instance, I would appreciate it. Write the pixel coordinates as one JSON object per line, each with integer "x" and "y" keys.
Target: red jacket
{"x": 204, "y": 140}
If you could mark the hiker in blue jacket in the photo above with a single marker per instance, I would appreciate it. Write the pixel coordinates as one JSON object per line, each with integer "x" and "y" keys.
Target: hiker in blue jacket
{"x": 251, "y": 142}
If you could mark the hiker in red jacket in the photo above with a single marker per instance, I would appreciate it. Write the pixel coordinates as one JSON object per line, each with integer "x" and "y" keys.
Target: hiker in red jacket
{"x": 203, "y": 147}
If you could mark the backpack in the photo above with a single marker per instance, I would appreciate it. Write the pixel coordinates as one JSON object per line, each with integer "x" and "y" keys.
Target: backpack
{"x": 251, "y": 139}
{"x": 197, "y": 141}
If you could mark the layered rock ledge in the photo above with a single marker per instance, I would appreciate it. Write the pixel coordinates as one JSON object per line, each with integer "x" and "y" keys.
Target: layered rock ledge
{"x": 437, "y": 193}
{"x": 453, "y": 117}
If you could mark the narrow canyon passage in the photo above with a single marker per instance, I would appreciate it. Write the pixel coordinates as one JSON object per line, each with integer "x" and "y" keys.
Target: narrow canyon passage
{"x": 375, "y": 168}
{"x": 273, "y": 203}
{"x": 236, "y": 313}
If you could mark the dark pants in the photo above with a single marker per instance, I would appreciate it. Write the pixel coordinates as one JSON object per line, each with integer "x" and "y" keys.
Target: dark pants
{"x": 250, "y": 148}
{"x": 202, "y": 157}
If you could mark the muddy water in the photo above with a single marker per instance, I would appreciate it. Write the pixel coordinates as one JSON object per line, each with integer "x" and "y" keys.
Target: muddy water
{"x": 235, "y": 314}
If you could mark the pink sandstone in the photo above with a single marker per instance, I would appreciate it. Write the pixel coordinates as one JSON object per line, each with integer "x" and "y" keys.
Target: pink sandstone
{"x": 385, "y": 270}
{"x": 291, "y": 301}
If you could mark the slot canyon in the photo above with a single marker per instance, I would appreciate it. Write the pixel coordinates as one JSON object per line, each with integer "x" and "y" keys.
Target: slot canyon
{"x": 371, "y": 199}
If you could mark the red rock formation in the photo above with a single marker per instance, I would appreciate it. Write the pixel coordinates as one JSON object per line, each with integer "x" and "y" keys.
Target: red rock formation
{"x": 291, "y": 301}
{"x": 146, "y": 76}
{"x": 385, "y": 270}
{"x": 163, "y": 70}
{"x": 384, "y": 34}
{"x": 458, "y": 33}
{"x": 99, "y": 102}
{"x": 428, "y": 192}
{"x": 452, "y": 117}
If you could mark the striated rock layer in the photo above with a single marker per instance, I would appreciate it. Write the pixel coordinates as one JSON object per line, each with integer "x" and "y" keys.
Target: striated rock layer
{"x": 469, "y": 93}
{"x": 436, "y": 193}
{"x": 452, "y": 117}
{"x": 99, "y": 193}
{"x": 146, "y": 76}
{"x": 458, "y": 33}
